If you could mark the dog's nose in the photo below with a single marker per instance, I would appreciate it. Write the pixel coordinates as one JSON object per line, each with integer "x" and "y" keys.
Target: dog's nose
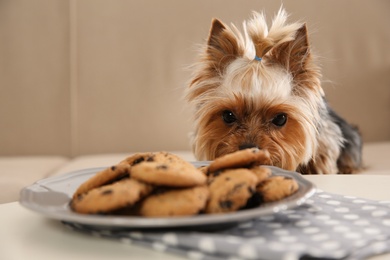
{"x": 247, "y": 145}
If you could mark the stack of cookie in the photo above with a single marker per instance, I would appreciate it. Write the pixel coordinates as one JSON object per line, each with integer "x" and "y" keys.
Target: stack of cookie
{"x": 239, "y": 181}
{"x": 161, "y": 184}
{"x": 146, "y": 184}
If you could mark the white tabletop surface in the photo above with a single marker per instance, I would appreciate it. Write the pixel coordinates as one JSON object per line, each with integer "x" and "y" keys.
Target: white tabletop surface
{"x": 28, "y": 235}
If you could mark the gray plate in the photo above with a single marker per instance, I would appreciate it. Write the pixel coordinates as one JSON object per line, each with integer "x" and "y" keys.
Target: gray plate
{"x": 51, "y": 197}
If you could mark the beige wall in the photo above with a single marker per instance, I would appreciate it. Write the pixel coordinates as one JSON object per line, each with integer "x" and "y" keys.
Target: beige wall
{"x": 94, "y": 76}
{"x": 34, "y": 77}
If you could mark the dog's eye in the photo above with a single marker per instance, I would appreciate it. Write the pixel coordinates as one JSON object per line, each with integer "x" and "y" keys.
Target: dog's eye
{"x": 279, "y": 119}
{"x": 228, "y": 117}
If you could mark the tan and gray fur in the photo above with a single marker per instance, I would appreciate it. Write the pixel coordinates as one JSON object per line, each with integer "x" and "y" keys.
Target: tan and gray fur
{"x": 276, "y": 103}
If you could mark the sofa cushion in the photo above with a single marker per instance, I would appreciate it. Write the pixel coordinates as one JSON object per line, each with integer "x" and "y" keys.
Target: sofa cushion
{"x": 18, "y": 172}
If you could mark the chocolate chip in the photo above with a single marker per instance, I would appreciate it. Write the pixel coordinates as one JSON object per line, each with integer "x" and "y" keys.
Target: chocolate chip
{"x": 80, "y": 197}
{"x": 150, "y": 158}
{"x": 227, "y": 204}
{"x": 137, "y": 161}
{"x": 106, "y": 192}
{"x": 113, "y": 168}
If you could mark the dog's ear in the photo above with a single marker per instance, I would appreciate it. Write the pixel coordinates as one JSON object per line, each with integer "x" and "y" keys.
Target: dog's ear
{"x": 294, "y": 55}
{"x": 216, "y": 29}
{"x": 222, "y": 46}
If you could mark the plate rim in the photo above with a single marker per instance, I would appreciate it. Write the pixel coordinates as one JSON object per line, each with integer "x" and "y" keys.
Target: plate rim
{"x": 26, "y": 199}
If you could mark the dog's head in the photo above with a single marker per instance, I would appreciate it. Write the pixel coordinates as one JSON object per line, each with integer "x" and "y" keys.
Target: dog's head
{"x": 257, "y": 88}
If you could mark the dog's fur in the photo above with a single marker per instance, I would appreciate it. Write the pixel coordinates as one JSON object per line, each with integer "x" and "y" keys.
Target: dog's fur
{"x": 276, "y": 104}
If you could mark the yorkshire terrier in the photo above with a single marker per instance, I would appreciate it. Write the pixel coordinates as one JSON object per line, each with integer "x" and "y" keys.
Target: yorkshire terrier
{"x": 260, "y": 87}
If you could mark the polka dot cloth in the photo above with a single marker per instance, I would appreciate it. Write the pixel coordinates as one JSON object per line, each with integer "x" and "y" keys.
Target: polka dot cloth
{"x": 327, "y": 226}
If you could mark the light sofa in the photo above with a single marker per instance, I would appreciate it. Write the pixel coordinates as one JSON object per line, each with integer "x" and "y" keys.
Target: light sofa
{"x": 86, "y": 83}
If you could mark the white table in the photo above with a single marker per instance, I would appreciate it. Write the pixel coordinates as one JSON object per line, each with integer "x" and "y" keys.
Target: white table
{"x": 27, "y": 235}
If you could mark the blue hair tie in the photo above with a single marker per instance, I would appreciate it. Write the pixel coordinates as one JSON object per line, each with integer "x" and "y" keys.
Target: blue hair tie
{"x": 258, "y": 58}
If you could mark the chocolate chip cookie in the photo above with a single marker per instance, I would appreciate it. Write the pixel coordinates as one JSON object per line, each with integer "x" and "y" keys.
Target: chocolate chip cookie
{"x": 180, "y": 174}
{"x": 242, "y": 158}
{"x": 175, "y": 202}
{"x": 230, "y": 190}
{"x": 108, "y": 175}
{"x": 110, "y": 197}
{"x": 276, "y": 188}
